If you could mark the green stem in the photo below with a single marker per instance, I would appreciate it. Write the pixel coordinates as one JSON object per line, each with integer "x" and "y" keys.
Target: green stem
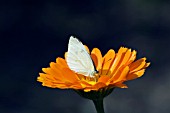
{"x": 99, "y": 105}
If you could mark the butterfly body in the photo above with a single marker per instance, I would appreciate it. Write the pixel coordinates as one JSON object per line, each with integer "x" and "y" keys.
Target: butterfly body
{"x": 78, "y": 59}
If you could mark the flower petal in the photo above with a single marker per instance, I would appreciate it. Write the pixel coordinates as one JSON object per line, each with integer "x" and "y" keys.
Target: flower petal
{"x": 107, "y": 61}
{"x": 120, "y": 85}
{"x": 120, "y": 75}
{"x": 137, "y": 65}
{"x": 48, "y": 80}
{"x": 104, "y": 79}
{"x": 135, "y": 75}
{"x": 132, "y": 57}
{"x": 87, "y": 49}
{"x": 61, "y": 62}
{"x": 69, "y": 75}
{"x": 76, "y": 85}
{"x": 117, "y": 59}
{"x": 97, "y": 58}
{"x": 65, "y": 55}
{"x": 147, "y": 64}
{"x": 97, "y": 86}
{"x": 126, "y": 57}
{"x": 123, "y": 74}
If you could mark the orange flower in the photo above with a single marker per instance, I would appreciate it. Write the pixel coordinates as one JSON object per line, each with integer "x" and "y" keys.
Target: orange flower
{"x": 113, "y": 70}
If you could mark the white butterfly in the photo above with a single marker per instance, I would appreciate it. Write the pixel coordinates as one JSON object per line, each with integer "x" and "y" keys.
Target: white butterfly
{"x": 78, "y": 59}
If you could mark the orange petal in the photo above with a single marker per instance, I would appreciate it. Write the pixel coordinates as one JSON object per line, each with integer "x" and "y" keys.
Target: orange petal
{"x": 126, "y": 57}
{"x": 118, "y": 59}
{"x": 61, "y": 62}
{"x": 87, "y": 49}
{"x": 76, "y": 85}
{"x": 97, "y": 86}
{"x": 137, "y": 65}
{"x": 48, "y": 79}
{"x": 120, "y": 75}
{"x": 135, "y": 75}
{"x": 56, "y": 70}
{"x": 48, "y": 71}
{"x": 104, "y": 79}
{"x": 123, "y": 75}
{"x": 107, "y": 60}
{"x": 85, "y": 84}
{"x": 61, "y": 86}
{"x": 97, "y": 58}
{"x": 69, "y": 76}
{"x": 87, "y": 90}
{"x": 45, "y": 70}
{"x": 55, "y": 66}
{"x": 147, "y": 64}
{"x": 41, "y": 78}
{"x": 51, "y": 74}
{"x": 65, "y": 55}
{"x": 132, "y": 57}
{"x": 120, "y": 85}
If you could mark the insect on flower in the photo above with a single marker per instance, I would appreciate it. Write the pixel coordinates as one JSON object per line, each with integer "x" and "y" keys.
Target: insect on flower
{"x": 78, "y": 59}
{"x": 90, "y": 71}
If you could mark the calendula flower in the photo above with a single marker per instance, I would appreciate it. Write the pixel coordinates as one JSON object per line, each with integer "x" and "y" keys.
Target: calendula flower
{"x": 105, "y": 73}
{"x": 113, "y": 70}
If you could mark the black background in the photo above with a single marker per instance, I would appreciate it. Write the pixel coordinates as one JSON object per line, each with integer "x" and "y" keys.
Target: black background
{"x": 34, "y": 33}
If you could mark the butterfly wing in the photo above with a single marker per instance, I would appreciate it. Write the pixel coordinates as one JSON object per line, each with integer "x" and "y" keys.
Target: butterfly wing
{"x": 78, "y": 59}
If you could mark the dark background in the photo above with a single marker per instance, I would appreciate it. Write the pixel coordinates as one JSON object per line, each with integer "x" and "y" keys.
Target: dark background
{"x": 34, "y": 33}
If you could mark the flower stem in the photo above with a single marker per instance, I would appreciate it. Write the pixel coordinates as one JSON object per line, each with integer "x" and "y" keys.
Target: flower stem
{"x": 99, "y": 105}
